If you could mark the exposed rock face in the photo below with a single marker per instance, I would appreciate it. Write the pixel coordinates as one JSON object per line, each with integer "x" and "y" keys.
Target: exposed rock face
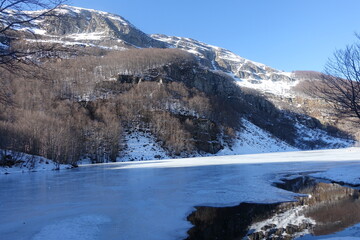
{"x": 86, "y": 25}
{"x": 221, "y": 59}
{"x": 193, "y": 75}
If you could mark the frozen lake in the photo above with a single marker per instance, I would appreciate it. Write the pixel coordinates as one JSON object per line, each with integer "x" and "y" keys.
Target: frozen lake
{"x": 146, "y": 200}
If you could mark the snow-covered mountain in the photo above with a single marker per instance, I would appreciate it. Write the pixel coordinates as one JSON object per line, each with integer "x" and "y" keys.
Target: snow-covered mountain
{"x": 92, "y": 28}
{"x": 273, "y": 106}
{"x": 70, "y": 25}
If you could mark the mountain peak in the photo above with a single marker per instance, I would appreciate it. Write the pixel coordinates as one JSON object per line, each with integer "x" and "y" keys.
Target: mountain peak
{"x": 67, "y": 9}
{"x": 75, "y": 25}
{"x": 95, "y": 28}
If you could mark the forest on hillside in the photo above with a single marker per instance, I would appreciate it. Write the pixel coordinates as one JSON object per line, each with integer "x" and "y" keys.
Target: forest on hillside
{"x": 68, "y": 109}
{"x": 83, "y": 105}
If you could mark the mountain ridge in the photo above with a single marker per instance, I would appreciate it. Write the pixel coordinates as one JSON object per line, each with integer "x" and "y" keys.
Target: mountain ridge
{"x": 208, "y": 105}
{"x": 98, "y": 28}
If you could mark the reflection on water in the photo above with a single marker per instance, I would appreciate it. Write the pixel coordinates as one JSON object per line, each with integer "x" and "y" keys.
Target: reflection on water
{"x": 333, "y": 207}
{"x": 326, "y": 208}
{"x": 335, "y": 217}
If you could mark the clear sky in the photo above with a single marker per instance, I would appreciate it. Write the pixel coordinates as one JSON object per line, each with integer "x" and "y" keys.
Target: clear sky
{"x": 284, "y": 34}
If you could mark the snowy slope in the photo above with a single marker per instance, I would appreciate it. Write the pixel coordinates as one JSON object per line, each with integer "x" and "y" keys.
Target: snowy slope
{"x": 28, "y": 163}
{"x": 320, "y": 138}
{"x": 253, "y": 139}
{"x": 245, "y": 72}
{"x": 141, "y": 146}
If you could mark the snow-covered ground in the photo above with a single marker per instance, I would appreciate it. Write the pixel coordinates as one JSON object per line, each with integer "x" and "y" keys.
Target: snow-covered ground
{"x": 150, "y": 199}
{"x": 255, "y": 140}
{"x": 141, "y": 146}
{"x": 321, "y": 137}
{"x": 29, "y": 163}
{"x": 250, "y": 140}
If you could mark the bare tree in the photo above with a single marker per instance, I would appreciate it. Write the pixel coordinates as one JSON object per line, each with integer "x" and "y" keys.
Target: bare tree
{"x": 19, "y": 13}
{"x": 14, "y": 55}
{"x": 340, "y": 83}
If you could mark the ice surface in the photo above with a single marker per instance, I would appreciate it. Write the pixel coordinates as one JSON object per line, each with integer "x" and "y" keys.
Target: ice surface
{"x": 83, "y": 227}
{"x": 347, "y": 174}
{"x": 147, "y": 200}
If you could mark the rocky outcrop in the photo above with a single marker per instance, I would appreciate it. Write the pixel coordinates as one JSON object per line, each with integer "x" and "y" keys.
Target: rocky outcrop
{"x": 217, "y": 58}
{"x": 90, "y": 26}
{"x": 192, "y": 74}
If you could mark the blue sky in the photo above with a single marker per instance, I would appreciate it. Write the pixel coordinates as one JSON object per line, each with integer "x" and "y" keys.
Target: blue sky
{"x": 284, "y": 34}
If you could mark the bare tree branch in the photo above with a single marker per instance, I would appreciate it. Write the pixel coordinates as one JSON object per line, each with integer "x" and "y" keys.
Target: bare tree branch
{"x": 19, "y": 12}
{"x": 14, "y": 52}
{"x": 340, "y": 83}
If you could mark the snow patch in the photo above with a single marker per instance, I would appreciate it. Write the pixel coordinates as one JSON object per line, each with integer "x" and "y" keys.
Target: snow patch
{"x": 141, "y": 146}
{"x": 97, "y": 36}
{"x": 320, "y": 136}
{"x": 253, "y": 139}
{"x": 75, "y": 43}
{"x": 30, "y": 163}
{"x": 280, "y": 88}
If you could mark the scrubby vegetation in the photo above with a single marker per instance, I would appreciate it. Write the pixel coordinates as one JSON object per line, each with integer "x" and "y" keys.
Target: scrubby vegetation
{"x": 68, "y": 109}
{"x": 79, "y": 107}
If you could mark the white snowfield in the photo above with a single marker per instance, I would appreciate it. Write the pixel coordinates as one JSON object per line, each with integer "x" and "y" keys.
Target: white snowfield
{"x": 151, "y": 199}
